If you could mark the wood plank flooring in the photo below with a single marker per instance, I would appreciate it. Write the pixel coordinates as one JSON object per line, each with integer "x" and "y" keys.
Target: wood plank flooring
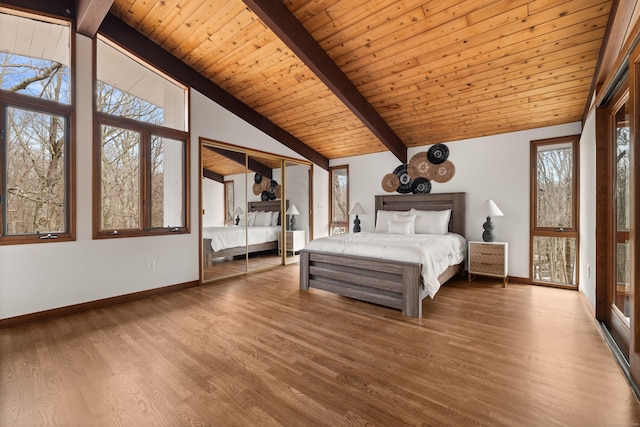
{"x": 257, "y": 351}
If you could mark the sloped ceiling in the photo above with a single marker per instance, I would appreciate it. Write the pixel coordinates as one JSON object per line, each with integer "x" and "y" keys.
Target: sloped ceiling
{"x": 339, "y": 78}
{"x": 434, "y": 71}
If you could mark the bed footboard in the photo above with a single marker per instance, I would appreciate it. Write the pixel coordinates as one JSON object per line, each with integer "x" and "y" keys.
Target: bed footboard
{"x": 394, "y": 284}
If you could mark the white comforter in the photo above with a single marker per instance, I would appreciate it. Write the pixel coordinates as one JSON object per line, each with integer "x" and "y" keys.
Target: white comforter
{"x": 435, "y": 253}
{"x": 234, "y": 236}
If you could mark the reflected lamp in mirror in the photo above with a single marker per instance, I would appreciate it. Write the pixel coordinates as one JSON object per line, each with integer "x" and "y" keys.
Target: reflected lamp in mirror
{"x": 292, "y": 212}
{"x": 356, "y": 210}
{"x": 488, "y": 210}
{"x": 237, "y": 213}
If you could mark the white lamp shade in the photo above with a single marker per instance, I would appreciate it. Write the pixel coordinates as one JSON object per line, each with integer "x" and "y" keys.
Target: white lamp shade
{"x": 489, "y": 208}
{"x": 238, "y": 211}
{"x": 292, "y": 210}
{"x": 357, "y": 209}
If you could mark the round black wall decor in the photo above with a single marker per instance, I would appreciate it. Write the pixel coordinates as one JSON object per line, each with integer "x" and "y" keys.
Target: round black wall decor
{"x": 421, "y": 185}
{"x": 438, "y": 154}
{"x": 404, "y": 178}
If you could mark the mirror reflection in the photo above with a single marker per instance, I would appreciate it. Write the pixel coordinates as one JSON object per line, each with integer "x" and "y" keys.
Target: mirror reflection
{"x": 298, "y": 213}
{"x": 223, "y": 221}
{"x": 252, "y": 219}
{"x": 264, "y": 204}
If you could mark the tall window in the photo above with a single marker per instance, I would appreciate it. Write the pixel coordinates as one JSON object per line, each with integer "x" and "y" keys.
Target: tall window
{"x": 554, "y": 215}
{"x": 339, "y": 199}
{"x": 622, "y": 195}
{"x": 36, "y": 147}
{"x": 141, "y": 147}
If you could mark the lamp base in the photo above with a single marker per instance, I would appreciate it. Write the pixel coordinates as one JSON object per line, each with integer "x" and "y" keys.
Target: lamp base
{"x": 489, "y": 235}
{"x": 292, "y": 223}
{"x": 356, "y": 225}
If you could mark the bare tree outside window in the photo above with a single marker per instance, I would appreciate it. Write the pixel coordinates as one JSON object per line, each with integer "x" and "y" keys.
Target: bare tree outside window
{"x": 120, "y": 171}
{"x": 143, "y": 147}
{"x": 35, "y": 147}
{"x": 622, "y": 180}
{"x": 554, "y": 236}
{"x": 339, "y": 199}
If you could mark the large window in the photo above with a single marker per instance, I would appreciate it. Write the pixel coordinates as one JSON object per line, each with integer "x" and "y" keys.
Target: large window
{"x": 141, "y": 147}
{"x": 36, "y": 146}
{"x": 554, "y": 215}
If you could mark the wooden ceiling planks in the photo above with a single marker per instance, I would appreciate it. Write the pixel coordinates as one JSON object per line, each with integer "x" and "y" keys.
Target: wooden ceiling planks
{"x": 435, "y": 71}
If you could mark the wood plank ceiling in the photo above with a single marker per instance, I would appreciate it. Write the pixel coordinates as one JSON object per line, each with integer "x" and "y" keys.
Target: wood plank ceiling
{"x": 435, "y": 71}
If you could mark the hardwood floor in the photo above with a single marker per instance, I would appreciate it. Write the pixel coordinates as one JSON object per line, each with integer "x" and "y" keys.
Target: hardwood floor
{"x": 257, "y": 351}
{"x": 221, "y": 268}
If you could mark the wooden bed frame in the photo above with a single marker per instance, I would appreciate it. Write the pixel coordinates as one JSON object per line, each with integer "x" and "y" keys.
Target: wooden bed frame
{"x": 267, "y": 206}
{"x": 392, "y": 284}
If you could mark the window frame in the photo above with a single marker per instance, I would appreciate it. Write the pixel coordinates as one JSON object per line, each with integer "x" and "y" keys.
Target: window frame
{"x": 572, "y": 232}
{"x": 146, "y": 131}
{"x": 45, "y": 106}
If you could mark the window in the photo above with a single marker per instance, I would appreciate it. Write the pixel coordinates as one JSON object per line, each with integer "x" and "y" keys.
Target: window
{"x": 554, "y": 215}
{"x": 36, "y": 144}
{"x": 141, "y": 148}
{"x": 339, "y": 199}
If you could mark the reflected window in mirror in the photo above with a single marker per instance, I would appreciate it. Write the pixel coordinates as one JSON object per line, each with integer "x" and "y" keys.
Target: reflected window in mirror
{"x": 339, "y": 199}
{"x": 229, "y": 203}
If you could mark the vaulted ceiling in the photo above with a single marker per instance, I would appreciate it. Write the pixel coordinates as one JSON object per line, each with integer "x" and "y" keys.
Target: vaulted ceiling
{"x": 336, "y": 78}
{"x": 433, "y": 71}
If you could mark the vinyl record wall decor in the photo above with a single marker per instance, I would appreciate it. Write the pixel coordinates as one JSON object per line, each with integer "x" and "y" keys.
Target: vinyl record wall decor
{"x": 267, "y": 189}
{"x": 424, "y": 168}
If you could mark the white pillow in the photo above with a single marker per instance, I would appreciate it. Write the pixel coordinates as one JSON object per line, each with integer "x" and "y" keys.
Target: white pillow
{"x": 252, "y": 219}
{"x": 263, "y": 219}
{"x": 432, "y": 222}
{"x": 411, "y": 219}
{"x": 275, "y": 217}
{"x": 383, "y": 217}
{"x": 399, "y": 227}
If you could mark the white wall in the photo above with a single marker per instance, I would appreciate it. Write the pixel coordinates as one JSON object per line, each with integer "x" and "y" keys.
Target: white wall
{"x": 587, "y": 283}
{"x": 493, "y": 167}
{"x": 213, "y": 203}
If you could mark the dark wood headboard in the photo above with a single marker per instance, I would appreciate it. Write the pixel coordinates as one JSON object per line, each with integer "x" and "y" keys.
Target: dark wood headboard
{"x": 267, "y": 206}
{"x": 428, "y": 202}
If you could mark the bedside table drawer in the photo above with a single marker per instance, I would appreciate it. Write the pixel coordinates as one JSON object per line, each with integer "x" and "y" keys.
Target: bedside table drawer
{"x": 495, "y": 259}
{"x": 483, "y": 268}
{"x": 484, "y": 249}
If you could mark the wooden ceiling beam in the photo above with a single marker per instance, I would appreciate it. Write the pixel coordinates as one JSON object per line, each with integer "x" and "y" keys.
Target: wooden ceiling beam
{"x": 239, "y": 158}
{"x": 285, "y": 25}
{"x": 119, "y": 32}
{"x": 89, "y": 15}
{"x": 212, "y": 175}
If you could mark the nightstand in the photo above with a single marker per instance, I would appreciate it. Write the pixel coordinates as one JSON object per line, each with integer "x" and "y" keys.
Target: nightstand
{"x": 489, "y": 259}
{"x": 295, "y": 241}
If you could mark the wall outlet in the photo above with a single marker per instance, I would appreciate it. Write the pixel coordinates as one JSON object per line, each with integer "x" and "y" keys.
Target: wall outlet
{"x": 151, "y": 265}
{"x": 588, "y": 271}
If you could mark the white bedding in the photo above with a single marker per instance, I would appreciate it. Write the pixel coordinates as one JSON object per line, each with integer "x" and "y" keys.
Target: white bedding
{"x": 435, "y": 252}
{"x": 234, "y": 236}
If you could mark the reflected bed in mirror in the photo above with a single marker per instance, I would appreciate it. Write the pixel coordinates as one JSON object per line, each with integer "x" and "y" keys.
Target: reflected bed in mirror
{"x": 262, "y": 228}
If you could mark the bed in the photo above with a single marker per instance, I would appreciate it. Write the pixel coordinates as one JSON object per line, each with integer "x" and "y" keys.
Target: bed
{"x": 232, "y": 241}
{"x": 391, "y": 283}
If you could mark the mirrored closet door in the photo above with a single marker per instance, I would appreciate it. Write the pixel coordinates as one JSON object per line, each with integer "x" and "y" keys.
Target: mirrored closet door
{"x": 224, "y": 223}
{"x": 256, "y": 210}
{"x": 298, "y": 213}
